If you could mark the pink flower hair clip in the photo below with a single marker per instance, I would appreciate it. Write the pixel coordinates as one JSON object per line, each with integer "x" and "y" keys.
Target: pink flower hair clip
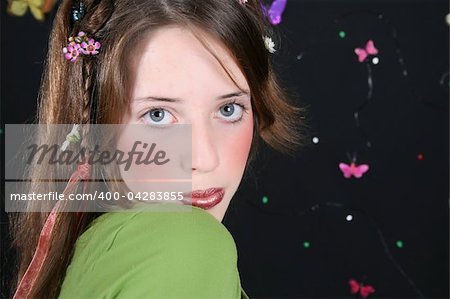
{"x": 80, "y": 45}
{"x": 242, "y": 2}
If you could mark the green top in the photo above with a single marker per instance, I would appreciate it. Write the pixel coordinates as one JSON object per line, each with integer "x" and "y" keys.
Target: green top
{"x": 167, "y": 251}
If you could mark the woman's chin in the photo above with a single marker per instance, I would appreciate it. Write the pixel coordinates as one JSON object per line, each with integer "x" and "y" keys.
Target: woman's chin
{"x": 218, "y": 211}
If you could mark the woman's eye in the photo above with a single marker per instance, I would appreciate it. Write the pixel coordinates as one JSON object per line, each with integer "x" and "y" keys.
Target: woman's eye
{"x": 232, "y": 112}
{"x": 158, "y": 116}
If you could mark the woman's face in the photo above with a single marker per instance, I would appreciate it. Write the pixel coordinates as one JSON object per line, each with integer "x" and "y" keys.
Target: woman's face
{"x": 175, "y": 65}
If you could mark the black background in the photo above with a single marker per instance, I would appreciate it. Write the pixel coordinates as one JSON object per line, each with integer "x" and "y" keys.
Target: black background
{"x": 400, "y": 198}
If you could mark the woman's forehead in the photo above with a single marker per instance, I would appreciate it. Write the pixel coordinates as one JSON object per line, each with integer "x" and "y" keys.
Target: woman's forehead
{"x": 174, "y": 60}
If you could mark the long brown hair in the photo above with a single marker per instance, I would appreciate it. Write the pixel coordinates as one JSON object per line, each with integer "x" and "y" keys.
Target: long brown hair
{"x": 97, "y": 90}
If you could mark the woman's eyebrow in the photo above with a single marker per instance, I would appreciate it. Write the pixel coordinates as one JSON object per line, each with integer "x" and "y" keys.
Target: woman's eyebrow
{"x": 233, "y": 95}
{"x": 176, "y": 100}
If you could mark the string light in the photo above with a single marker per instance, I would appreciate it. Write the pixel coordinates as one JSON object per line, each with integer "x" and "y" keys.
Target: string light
{"x": 364, "y": 138}
{"x": 319, "y": 206}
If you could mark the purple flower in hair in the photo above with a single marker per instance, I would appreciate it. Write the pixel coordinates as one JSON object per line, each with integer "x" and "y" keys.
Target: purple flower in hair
{"x": 80, "y": 45}
{"x": 72, "y": 51}
{"x": 79, "y": 38}
{"x": 90, "y": 47}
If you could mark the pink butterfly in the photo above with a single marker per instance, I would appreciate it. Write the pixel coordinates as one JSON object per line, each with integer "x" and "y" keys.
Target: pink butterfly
{"x": 364, "y": 290}
{"x": 353, "y": 169}
{"x": 369, "y": 50}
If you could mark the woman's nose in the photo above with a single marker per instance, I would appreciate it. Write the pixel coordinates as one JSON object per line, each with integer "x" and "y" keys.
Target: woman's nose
{"x": 204, "y": 148}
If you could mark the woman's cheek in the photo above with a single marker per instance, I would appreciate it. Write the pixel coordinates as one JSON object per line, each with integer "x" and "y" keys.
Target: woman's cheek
{"x": 238, "y": 147}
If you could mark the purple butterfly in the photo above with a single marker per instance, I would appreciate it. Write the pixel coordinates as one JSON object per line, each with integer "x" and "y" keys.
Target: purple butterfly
{"x": 274, "y": 11}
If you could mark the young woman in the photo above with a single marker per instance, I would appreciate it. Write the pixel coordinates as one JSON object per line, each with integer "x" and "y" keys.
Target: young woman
{"x": 157, "y": 63}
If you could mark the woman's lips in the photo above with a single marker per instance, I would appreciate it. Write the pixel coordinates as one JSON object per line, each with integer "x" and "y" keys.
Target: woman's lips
{"x": 205, "y": 199}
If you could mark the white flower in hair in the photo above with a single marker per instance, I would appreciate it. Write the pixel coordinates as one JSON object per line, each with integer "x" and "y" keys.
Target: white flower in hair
{"x": 243, "y": 1}
{"x": 270, "y": 45}
{"x": 72, "y": 137}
